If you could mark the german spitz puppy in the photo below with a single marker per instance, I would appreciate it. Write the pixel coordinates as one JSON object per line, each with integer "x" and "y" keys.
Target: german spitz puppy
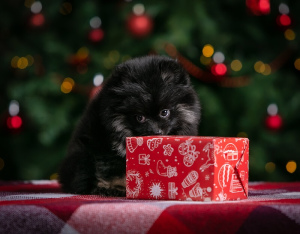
{"x": 144, "y": 96}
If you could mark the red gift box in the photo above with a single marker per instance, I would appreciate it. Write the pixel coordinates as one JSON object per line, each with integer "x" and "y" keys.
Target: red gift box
{"x": 187, "y": 168}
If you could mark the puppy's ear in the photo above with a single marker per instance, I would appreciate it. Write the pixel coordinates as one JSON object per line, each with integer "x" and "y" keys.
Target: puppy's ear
{"x": 173, "y": 72}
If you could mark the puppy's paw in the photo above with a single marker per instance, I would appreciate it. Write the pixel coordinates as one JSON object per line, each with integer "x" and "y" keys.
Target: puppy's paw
{"x": 113, "y": 187}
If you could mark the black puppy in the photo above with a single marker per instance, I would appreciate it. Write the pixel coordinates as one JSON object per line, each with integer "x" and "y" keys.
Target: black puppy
{"x": 150, "y": 95}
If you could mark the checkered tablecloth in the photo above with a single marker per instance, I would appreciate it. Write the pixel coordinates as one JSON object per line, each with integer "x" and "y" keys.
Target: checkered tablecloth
{"x": 41, "y": 207}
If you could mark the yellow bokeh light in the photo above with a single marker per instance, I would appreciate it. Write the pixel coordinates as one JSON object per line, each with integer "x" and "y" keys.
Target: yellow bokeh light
{"x": 30, "y": 60}
{"x": 289, "y": 34}
{"x": 205, "y": 60}
{"x": 236, "y": 65}
{"x": 297, "y": 64}
{"x": 259, "y": 67}
{"x": 114, "y": 56}
{"x": 66, "y": 8}
{"x": 14, "y": 61}
{"x": 291, "y": 166}
{"x": 1, "y": 164}
{"x": 54, "y": 176}
{"x": 270, "y": 167}
{"x": 267, "y": 70}
{"x": 28, "y": 3}
{"x": 242, "y": 134}
{"x": 67, "y": 85}
{"x": 22, "y": 63}
{"x": 83, "y": 53}
{"x": 208, "y": 50}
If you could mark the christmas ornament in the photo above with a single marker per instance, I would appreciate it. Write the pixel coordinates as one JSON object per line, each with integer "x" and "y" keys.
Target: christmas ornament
{"x": 139, "y": 25}
{"x": 273, "y": 122}
{"x": 96, "y": 35}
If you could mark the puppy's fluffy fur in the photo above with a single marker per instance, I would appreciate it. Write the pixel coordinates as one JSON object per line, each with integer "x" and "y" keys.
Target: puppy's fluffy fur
{"x": 150, "y": 95}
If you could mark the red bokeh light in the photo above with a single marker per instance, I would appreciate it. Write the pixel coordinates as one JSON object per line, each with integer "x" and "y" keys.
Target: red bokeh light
{"x": 37, "y": 20}
{"x": 219, "y": 69}
{"x": 274, "y": 122}
{"x": 14, "y": 122}
{"x": 140, "y": 25}
{"x": 284, "y": 20}
{"x": 96, "y": 35}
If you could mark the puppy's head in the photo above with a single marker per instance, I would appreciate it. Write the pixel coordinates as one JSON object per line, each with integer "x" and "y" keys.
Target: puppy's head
{"x": 152, "y": 96}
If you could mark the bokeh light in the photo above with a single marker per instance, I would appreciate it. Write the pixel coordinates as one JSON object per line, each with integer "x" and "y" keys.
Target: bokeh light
{"x": 219, "y": 57}
{"x": 14, "y": 122}
{"x": 284, "y": 20}
{"x": 267, "y": 71}
{"x": 95, "y": 22}
{"x": 28, "y": 3}
{"x": 14, "y": 108}
{"x": 37, "y": 20}
{"x": 54, "y": 176}
{"x": 114, "y": 56}
{"x": 98, "y": 79}
{"x": 274, "y": 122}
{"x": 272, "y": 109}
{"x": 138, "y": 9}
{"x": 36, "y": 7}
{"x": 284, "y": 9}
{"x": 289, "y": 34}
{"x": 67, "y": 85}
{"x": 270, "y": 167}
{"x": 264, "y": 6}
{"x": 205, "y": 60}
{"x": 65, "y": 8}
{"x": 297, "y": 64}
{"x": 236, "y": 65}
{"x": 242, "y": 134}
{"x": 219, "y": 69}
{"x": 82, "y": 53}
{"x": 208, "y": 50}
{"x": 22, "y": 63}
{"x": 291, "y": 166}
{"x": 259, "y": 66}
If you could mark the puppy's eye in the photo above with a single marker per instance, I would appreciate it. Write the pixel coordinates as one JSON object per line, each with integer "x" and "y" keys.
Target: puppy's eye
{"x": 164, "y": 113}
{"x": 141, "y": 118}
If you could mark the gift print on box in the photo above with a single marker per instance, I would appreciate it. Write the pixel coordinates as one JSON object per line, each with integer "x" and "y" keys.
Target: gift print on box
{"x": 153, "y": 143}
{"x": 167, "y": 171}
{"x": 133, "y": 142}
{"x": 133, "y": 184}
{"x": 144, "y": 159}
{"x": 187, "y": 168}
{"x": 189, "y": 152}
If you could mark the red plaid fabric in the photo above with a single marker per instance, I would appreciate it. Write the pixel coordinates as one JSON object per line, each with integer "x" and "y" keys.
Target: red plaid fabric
{"x": 41, "y": 207}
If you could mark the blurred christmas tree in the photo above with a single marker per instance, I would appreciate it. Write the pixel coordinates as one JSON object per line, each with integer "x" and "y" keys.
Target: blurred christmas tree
{"x": 242, "y": 56}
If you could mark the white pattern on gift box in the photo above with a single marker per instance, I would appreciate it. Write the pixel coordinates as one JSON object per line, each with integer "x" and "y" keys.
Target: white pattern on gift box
{"x": 189, "y": 152}
{"x": 236, "y": 185}
{"x": 133, "y": 143}
{"x": 230, "y": 152}
{"x": 144, "y": 159}
{"x": 156, "y": 190}
{"x": 211, "y": 159}
{"x": 190, "y": 179}
{"x": 167, "y": 171}
{"x": 154, "y": 143}
{"x": 133, "y": 183}
{"x": 168, "y": 149}
{"x": 172, "y": 190}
